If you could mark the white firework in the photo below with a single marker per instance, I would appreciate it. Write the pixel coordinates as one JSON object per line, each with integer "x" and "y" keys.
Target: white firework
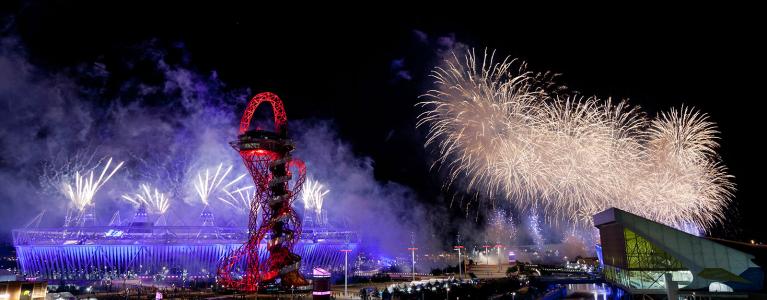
{"x": 209, "y": 182}
{"x": 503, "y": 228}
{"x": 684, "y": 183}
{"x": 240, "y": 199}
{"x": 81, "y": 192}
{"x": 503, "y": 131}
{"x": 535, "y": 229}
{"x": 153, "y": 199}
{"x": 314, "y": 194}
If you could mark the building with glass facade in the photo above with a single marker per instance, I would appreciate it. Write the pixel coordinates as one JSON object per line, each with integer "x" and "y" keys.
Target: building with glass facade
{"x": 646, "y": 257}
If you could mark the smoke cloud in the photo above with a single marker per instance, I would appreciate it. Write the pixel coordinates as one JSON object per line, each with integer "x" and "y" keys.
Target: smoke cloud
{"x": 168, "y": 121}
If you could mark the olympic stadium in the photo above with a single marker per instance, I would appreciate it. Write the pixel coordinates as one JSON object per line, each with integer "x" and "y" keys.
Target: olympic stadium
{"x": 145, "y": 249}
{"x": 273, "y": 247}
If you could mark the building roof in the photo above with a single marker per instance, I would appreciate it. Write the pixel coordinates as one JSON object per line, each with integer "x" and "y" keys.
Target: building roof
{"x": 705, "y": 258}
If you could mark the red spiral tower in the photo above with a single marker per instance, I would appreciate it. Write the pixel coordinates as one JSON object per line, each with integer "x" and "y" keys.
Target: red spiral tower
{"x": 266, "y": 154}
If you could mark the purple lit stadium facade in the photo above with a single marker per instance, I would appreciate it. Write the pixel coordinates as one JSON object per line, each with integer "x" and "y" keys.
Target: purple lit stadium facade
{"x": 98, "y": 252}
{"x": 81, "y": 249}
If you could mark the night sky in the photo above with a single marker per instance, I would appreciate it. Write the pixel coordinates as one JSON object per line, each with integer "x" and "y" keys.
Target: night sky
{"x": 365, "y": 70}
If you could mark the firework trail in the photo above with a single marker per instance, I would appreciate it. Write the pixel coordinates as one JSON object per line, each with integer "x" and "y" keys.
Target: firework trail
{"x": 314, "y": 194}
{"x": 207, "y": 183}
{"x": 153, "y": 199}
{"x": 240, "y": 199}
{"x": 503, "y": 229}
{"x": 535, "y": 229}
{"x": 506, "y": 132}
{"x": 84, "y": 188}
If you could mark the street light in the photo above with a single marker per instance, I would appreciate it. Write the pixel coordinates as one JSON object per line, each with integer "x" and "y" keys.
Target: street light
{"x": 346, "y": 268}
{"x": 412, "y": 250}
{"x": 499, "y": 246}
{"x": 460, "y": 261}
{"x": 487, "y": 257}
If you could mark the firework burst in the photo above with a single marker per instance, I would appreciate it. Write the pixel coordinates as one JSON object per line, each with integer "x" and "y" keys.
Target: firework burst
{"x": 240, "y": 199}
{"x": 502, "y": 227}
{"x": 535, "y": 230}
{"x": 153, "y": 199}
{"x": 314, "y": 194}
{"x": 84, "y": 188}
{"x": 505, "y": 132}
{"x": 209, "y": 182}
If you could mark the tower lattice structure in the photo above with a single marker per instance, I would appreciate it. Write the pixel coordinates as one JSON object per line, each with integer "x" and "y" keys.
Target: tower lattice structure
{"x": 278, "y": 178}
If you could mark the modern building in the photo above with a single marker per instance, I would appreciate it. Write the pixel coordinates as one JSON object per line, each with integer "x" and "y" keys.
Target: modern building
{"x": 23, "y": 290}
{"x": 644, "y": 257}
{"x": 320, "y": 284}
